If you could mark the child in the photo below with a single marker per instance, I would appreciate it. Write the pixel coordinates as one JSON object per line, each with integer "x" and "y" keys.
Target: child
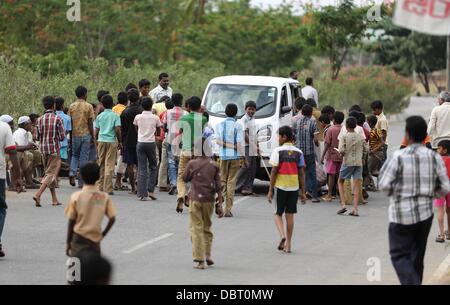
{"x": 247, "y": 174}
{"x": 148, "y": 126}
{"x": 109, "y": 140}
{"x": 230, "y": 138}
{"x": 85, "y": 211}
{"x": 443, "y": 203}
{"x": 287, "y": 177}
{"x": 412, "y": 177}
{"x": 334, "y": 159}
{"x": 352, "y": 147}
{"x": 376, "y": 144}
{"x": 200, "y": 172}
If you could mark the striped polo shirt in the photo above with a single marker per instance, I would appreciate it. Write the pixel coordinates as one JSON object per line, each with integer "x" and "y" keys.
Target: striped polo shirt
{"x": 288, "y": 159}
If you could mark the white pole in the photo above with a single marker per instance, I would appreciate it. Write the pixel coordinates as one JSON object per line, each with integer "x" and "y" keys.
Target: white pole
{"x": 448, "y": 63}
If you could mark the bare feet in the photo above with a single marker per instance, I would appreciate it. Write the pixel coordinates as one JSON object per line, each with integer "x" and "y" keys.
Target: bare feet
{"x": 200, "y": 265}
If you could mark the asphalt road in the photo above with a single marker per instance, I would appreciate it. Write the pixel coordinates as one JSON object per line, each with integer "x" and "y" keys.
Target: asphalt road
{"x": 150, "y": 243}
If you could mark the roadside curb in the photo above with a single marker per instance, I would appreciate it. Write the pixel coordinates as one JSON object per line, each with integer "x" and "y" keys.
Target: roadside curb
{"x": 441, "y": 275}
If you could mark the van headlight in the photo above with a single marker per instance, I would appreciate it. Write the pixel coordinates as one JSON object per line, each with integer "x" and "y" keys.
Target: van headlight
{"x": 265, "y": 134}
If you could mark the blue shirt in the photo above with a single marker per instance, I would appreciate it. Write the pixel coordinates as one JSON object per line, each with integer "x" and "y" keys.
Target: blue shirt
{"x": 67, "y": 123}
{"x": 106, "y": 122}
{"x": 231, "y": 132}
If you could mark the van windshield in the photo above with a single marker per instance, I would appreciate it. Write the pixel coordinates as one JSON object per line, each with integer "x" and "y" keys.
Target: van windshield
{"x": 219, "y": 95}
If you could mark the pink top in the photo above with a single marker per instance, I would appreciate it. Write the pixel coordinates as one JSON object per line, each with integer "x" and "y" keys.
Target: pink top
{"x": 147, "y": 123}
{"x": 331, "y": 138}
{"x": 446, "y": 160}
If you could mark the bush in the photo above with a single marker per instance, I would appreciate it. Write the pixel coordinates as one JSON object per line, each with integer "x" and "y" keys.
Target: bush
{"x": 363, "y": 85}
{"x": 22, "y": 89}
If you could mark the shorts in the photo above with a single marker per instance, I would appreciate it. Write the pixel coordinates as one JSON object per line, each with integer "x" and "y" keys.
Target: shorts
{"x": 348, "y": 172}
{"x": 285, "y": 202}
{"x": 444, "y": 201}
{"x": 332, "y": 167}
{"x": 64, "y": 153}
{"x": 130, "y": 156}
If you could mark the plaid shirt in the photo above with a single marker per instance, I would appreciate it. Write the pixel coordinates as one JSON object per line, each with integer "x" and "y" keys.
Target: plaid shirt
{"x": 50, "y": 132}
{"x": 413, "y": 177}
{"x": 306, "y": 128}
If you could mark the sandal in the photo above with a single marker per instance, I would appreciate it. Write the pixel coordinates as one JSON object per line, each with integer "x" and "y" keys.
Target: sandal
{"x": 152, "y": 197}
{"x": 144, "y": 199}
{"x": 342, "y": 211}
{"x": 209, "y": 262}
{"x": 327, "y": 199}
{"x": 37, "y": 202}
{"x": 56, "y": 204}
{"x": 281, "y": 244}
{"x": 440, "y": 239}
{"x": 447, "y": 235}
{"x": 353, "y": 214}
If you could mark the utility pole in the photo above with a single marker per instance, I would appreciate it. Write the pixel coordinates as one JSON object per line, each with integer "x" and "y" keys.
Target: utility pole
{"x": 448, "y": 63}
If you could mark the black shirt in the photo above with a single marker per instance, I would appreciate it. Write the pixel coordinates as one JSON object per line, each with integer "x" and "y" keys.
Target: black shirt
{"x": 129, "y": 133}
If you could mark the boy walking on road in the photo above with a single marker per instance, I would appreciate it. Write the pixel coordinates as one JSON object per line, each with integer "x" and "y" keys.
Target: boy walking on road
{"x": 287, "y": 177}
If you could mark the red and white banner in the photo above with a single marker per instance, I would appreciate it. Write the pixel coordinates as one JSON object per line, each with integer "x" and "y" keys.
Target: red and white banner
{"x": 426, "y": 16}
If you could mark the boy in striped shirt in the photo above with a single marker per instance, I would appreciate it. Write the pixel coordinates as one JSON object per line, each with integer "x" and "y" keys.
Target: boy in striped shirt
{"x": 287, "y": 177}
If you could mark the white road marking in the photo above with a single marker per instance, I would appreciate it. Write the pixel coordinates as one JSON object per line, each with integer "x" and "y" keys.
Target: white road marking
{"x": 440, "y": 273}
{"x": 147, "y": 243}
{"x": 241, "y": 199}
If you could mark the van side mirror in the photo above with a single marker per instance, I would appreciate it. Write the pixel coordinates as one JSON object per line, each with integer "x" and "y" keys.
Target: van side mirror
{"x": 285, "y": 109}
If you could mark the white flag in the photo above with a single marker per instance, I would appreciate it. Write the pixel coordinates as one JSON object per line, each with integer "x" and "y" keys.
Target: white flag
{"x": 425, "y": 16}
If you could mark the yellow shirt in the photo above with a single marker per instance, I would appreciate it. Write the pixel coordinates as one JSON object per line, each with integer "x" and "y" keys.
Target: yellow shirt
{"x": 88, "y": 208}
{"x": 119, "y": 108}
{"x": 159, "y": 108}
{"x": 80, "y": 112}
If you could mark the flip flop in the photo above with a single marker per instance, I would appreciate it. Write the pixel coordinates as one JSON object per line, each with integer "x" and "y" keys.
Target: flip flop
{"x": 281, "y": 244}
{"x": 37, "y": 202}
{"x": 152, "y": 197}
{"x": 287, "y": 251}
{"x": 353, "y": 214}
{"x": 209, "y": 262}
{"x": 57, "y": 204}
{"x": 342, "y": 211}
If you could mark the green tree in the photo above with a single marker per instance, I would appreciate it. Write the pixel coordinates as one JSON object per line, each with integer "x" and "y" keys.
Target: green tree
{"x": 407, "y": 52}
{"x": 335, "y": 30}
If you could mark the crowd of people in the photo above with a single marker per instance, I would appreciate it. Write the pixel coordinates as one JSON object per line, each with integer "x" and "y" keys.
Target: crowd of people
{"x": 153, "y": 139}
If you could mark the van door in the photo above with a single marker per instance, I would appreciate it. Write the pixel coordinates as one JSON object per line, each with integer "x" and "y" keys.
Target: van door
{"x": 285, "y": 102}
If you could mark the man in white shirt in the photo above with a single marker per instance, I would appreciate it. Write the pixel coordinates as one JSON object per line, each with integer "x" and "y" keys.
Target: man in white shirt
{"x": 309, "y": 91}
{"x": 439, "y": 125}
{"x": 7, "y": 146}
{"x": 162, "y": 89}
{"x": 24, "y": 148}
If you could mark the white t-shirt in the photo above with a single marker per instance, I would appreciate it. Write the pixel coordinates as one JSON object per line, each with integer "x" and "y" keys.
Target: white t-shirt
{"x": 6, "y": 141}
{"x": 20, "y": 136}
{"x": 358, "y": 130}
{"x": 310, "y": 92}
{"x": 249, "y": 123}
{"x": 147, "y": 123}
{"x": 159, "y": 92}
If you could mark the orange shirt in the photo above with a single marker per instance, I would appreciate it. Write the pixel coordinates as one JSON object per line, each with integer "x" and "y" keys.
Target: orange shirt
{"x": 405, "y": 141}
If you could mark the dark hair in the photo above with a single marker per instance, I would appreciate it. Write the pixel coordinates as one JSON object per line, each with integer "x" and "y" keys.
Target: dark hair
{"x": 372, "y": 120}
{"x": 144, "y": 82}
{"x": 445, "y": 144}
{"x": 299, "y": 102}
{"x": 350, "y": 123}
{"x": 163, "y": 99}
{"x": 311, "y": 102}
{"x": 376, "y": 105}
{"x": 169, "y": 104}
{"x": 33, "y": 117}
{"x": 177, "y": 99}
{"x": 81, "y": 92}
{"x": 206, "y": 115}
{"x": 147, "y": 103}
{"x": 130, "y": 86}
{"x": 416, "y": 127}
{"x": 48, "y": 102}
{"x": 360, "y": 118}
{"x": 163, "y": 75}
{"x": 328, "y": 110}
{"x": 133, "y": 95}
{"x": 90, "y": 173}
{"x": 59, "y": 102}
{"x": 355, "y": 108}
{"x": 324, "y": 118}
{"x": 292, "y": 73}
{"x": 100, "y": 94}
{"x": 231, "y": 110}
{"x": 307, "y": 110}
{"x": 122, "y": 98}
{"x": 309, "y": 81}
{"x": 287, "y": 132}
{"x": 250, "y": 104}
{"x": 107, "y": 101}
{"x": 338, "y": 117}
{"x": 194, "y": 103}
{"x": 95, "y": 269}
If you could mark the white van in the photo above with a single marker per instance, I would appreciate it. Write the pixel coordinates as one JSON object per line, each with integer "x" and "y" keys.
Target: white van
{"x": 274, "y": 97}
